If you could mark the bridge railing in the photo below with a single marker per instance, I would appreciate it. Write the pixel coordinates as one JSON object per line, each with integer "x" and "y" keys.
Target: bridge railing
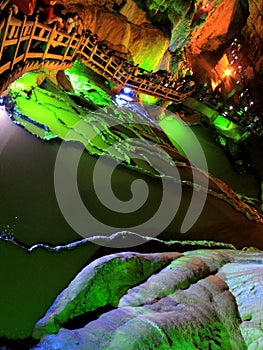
{"x": 22, "y": 42}
{"x": 30, "y": 45}
{"x": 123, "y": 73}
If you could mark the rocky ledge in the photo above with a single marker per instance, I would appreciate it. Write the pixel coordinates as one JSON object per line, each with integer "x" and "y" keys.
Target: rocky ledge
{"x": 203, "y": 299}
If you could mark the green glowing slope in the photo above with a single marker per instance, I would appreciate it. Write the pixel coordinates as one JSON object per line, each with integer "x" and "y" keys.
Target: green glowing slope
{"x": 118, "y": 133}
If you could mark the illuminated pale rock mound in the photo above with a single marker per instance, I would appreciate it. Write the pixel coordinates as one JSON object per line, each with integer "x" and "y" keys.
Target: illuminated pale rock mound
{"x": 198, "y": 300}
{"x": 99, "y": 284}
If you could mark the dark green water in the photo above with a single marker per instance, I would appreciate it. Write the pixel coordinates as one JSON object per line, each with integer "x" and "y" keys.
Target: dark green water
{"x": 28, "y": 209}
{"x": 29, "y": 282}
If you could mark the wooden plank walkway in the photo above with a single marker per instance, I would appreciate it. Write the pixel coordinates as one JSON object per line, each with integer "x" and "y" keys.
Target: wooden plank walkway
{"x": 26, "y": 44}
{"x": 29, "y": 45}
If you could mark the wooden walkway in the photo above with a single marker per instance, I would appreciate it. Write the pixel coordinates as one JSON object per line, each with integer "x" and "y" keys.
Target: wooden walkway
{"x": 26, "y": 46}
{"x": 29, "y": 45}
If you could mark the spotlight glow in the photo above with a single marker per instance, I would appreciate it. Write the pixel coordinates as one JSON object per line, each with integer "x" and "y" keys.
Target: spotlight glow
{"x": 228, "y": 72}
{"x": 127, "y": 90}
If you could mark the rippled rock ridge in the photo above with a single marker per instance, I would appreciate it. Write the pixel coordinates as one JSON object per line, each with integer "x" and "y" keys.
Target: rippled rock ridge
{"x": 197, "y": 300}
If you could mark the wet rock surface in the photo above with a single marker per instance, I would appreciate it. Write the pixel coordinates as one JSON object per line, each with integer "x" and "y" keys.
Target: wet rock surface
{"x": 201, "y": 299}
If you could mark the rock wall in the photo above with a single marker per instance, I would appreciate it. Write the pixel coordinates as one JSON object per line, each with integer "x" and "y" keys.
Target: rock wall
{"x": 253, "y": 34}
{"x": 134, "y": 13}
{"x": 203, "y": 32}
{"x": 210, "y": 38}
{"x": 146, "y": 43}
{"x": 220, "y": 26}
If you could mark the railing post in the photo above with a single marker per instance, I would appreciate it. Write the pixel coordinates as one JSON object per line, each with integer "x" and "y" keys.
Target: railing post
{"x": 143, "y": 82}
{"x": 95, "y": 48}
{"x": 108, "y": 63}
{"x": 117, "y": 70}
{"x": 80, "y": 41}
{"x": 68, "y": 47}
{"x": 52, "y": 35}
{"x": 31, "y": 38}
{"x": 2, "y": 39}
{"x": 84, "y": 43}
{"x": 18, "y": 42}
{"x": 128, "y": 78}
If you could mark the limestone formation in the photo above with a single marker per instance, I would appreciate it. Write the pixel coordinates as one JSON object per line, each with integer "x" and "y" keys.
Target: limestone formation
{"x": 201, "y": 28}
{"x": 146, "y": 43}
{"x": 211, "y": 36}
{"x": 253, "y": 33}
{"x": 98, "y": 285}
{"x": 202, "y": 300}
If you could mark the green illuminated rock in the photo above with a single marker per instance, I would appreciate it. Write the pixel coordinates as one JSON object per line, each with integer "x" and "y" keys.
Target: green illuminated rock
{"x": 101, "y": 283}
{"x": 178, "y": 275}
{"x": 128, "y": 137}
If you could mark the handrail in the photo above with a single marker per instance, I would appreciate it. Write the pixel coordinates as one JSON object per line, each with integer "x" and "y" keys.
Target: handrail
{"x": 25, "y": 41}
{"x": 30, "y": 45}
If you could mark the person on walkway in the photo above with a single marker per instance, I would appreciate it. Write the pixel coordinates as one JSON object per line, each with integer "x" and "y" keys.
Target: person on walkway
{"x": 46, "y": 11}
{"x": 59, "y": 13}
{"x": 80, "y": 26}
{"x": 71, "y": 22}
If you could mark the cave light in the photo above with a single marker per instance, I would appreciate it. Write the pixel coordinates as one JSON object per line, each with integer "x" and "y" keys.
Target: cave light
{"x": 205, "y": 7}
{"x": 126, "y": 95}
{"x": 127, "y": 90}
{"x": 228, "y": 72}
{"x": 122, "y": 99}
{"x": 214, "y": 84}
{"x": 222, "y": 69}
